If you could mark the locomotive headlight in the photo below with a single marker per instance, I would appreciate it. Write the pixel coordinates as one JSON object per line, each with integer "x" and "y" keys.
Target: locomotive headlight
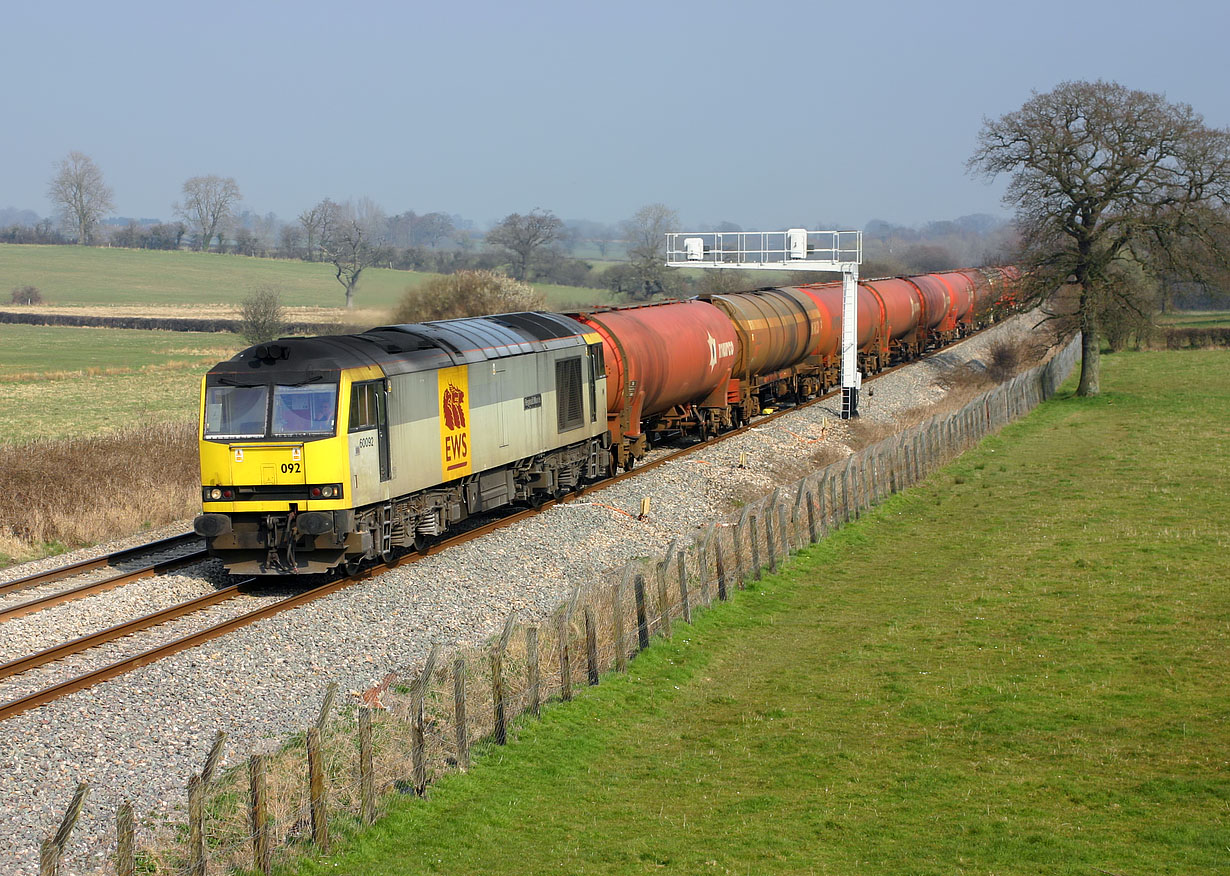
{"x": 215, "y": 494}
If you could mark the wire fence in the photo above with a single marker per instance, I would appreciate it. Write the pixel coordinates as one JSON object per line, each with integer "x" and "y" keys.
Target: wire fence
{"x": 410, "y": 730}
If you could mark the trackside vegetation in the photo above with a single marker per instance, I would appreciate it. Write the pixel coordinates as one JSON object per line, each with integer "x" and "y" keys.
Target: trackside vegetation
{"x": 1016, "y": 667}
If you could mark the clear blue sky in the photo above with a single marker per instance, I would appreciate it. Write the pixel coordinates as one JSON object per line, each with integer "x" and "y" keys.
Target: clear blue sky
{"x": 767, "y": 114}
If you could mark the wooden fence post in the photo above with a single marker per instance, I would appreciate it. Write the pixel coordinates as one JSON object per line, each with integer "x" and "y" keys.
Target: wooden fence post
{"x": 664, "y": 607}
{"x": 48, "y": 858}
{"x": 367, "y": 783}
{"x": 532, "y": 678}
{"x": 617, "y": 625}
{"x": 317, "y": 794}
{"x": 591, "y": 644}
{"x": 214, "y": 758}
{"x": 685, "y": 602}
{"x": 721, "y": 570}
{"x": 755, "y": 541}
{"x": 462, "y": 725}
{"x": 497, "y": 696}
{"x": 811, "y": 518}
{"x": 125, "y": 840}
{"x": 845, "y": 494}
{"x": 702, "y": 562}
{"x": 642, "y": 622}
{"x": 196, "y": 827}
{"x": 262, "y": 859}
{"x": 770, "y": 543}
{"x": 418, "y": 692}
{"x": 326, "y": 707}
{"x": 736, "y": 536}
{"x": 497, "y": 680}
{"x": 563, "y": 628}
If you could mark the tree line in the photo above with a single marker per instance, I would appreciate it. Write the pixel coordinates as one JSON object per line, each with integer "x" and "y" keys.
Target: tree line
{"x": 534, "y": 246}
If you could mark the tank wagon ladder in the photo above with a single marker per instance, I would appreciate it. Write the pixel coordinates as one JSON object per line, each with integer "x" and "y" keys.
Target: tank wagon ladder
{"x": 795, "y": 249}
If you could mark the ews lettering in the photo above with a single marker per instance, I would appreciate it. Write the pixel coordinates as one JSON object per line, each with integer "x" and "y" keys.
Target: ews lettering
{"x": 456, "y": 447}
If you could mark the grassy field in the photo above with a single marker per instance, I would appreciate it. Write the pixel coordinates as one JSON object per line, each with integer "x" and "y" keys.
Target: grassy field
{"x": 1195, "y": 319}
{"x": 94, "y": 276}
{"x": 58, "y": 381}
{"x": 1016, "y": 667}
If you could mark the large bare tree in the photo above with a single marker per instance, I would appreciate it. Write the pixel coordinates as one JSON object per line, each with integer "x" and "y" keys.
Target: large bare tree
{"x": 353, "y": 243}
{"x": 208, "y": 206}
{"x": 645, "y": 236}
{"x": 1105, "y": 178}
{"x": 80, "y": 195}
{"x": 524, "y": 235}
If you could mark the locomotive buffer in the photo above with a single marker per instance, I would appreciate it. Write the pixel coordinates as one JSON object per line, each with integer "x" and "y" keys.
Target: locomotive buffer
{"x": 793, "y": 250}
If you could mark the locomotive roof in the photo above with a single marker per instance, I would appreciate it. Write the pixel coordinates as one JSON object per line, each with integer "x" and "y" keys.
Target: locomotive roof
{"x": 400, "y": 349}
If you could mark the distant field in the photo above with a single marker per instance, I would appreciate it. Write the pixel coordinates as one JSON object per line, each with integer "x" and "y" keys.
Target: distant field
{"x": 32, "y": 352}
{"x": 59, "y": 382}
{"x": 1017, "y": 667}
{"x": 1195, "y": 319}
{"x": 105, "y": 276}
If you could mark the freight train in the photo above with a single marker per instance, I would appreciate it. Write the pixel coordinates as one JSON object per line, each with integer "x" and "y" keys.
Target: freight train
{"x": 326, "y": 452}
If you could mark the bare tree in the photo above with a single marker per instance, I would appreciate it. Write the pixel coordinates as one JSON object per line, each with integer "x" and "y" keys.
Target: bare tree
{"x": 317, "y": 223}
{"x": 645, "y": 234}
{"x": 1102, "y": 175}
{"x": 524, "y": 235}
{"x": 208, "y": 206}
{"x": 431, "y": 228}
{"x": 352, "y": 245}
{"x": 80, "y": 196}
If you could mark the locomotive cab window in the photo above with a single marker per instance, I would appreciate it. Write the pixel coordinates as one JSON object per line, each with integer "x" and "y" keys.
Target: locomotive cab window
{"x": 236, "y": 411}
{"x": 364, "y": 405}
{"x": 305, "y": 410}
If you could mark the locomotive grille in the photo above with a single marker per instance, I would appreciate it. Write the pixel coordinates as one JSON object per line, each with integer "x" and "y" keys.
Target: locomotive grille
{"x": 568, "y": 393}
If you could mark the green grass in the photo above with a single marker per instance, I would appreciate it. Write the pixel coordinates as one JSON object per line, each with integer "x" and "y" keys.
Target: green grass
{"x": 59, "y": 381}
{"x": 31, "y": 350}
{"x": 94, "y": 276}
{"x": 1016, "y": 667}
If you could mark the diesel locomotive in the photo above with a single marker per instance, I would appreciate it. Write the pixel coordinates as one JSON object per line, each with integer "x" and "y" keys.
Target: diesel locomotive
{"x": 319, "y": 453}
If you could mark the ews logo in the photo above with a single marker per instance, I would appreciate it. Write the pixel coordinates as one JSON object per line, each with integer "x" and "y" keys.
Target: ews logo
{"x": 454, "y": 395}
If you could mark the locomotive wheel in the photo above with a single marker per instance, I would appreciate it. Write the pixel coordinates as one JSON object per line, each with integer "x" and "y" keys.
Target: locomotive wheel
{"x": 630, "y": 463}
{"x": 421, "y": 543}
{"x": 350, "y": 568}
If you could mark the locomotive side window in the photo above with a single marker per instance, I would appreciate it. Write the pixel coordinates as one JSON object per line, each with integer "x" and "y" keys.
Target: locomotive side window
{"x": 596, "y": 369}
{"x": 363, "y": 406}
{"x": 305, "y": 410}
{"x": 236, "y": 411}
{"x": 570, "y": 412}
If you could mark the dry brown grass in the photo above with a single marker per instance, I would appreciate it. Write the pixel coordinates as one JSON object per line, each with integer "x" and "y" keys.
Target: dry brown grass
{"x": 75, "y": 491}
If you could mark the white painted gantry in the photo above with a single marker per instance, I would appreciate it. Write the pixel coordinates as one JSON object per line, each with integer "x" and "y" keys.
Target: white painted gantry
{"x": 793, "y": 250}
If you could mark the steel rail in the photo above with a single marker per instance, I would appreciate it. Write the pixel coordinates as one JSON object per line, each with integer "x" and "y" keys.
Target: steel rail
{"x": 101, "y": 586}
{"x": 77, "y": 568}
{"x": 92, "y": 640}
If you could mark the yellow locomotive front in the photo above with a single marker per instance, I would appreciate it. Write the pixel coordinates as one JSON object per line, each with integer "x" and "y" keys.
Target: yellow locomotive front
{"x": 275, "y": 466}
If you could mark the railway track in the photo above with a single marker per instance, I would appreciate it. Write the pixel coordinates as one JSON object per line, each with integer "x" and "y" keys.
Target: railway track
{"x": 100, "y": 585}
{"x": 89, "y": 679}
